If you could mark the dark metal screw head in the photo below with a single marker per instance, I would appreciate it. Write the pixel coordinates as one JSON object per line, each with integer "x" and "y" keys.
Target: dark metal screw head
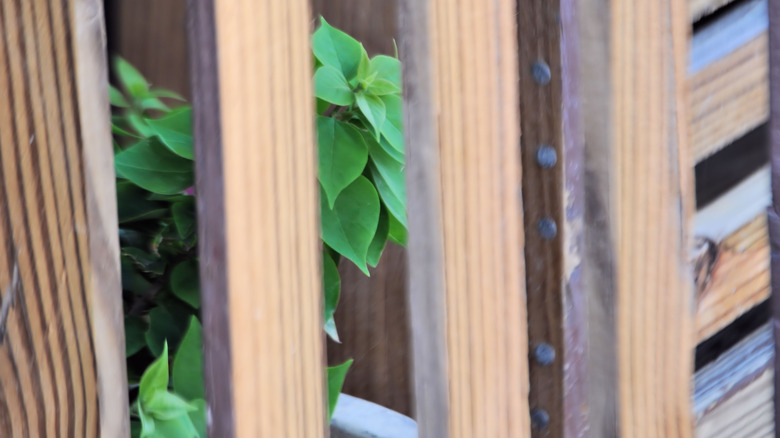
{"x": 541, "y": 72}
{"x": 540, "y": 419}
{"x": 544, "y": 354}
{"x": 546, "y": 156}
{"x": 547, "y": 228}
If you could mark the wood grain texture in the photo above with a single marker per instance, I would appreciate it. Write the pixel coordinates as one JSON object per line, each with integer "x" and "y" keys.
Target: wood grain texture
{"x": 701, "y": 8}
{"x": 732, "y": 254}
{"x": 640, "y": 193}
{"x": 372, "y": 317}
{"x": 550, "y": 115}
{"x": 261, "y": 279}
{"x": 466, "y": 291}
{"x": 773, "y": 216}
{"x": 62, "y": 351}
{"x": 152, "y": 36}
{"x": 733, "y": 395}
{"x": 729, "y": 88}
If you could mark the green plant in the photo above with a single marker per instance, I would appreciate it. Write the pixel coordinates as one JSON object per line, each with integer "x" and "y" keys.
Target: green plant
{"x": 363, "y": 206}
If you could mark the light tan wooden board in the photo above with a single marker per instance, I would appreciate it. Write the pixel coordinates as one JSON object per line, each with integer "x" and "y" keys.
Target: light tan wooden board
{"x": 732, "y": 254}
{"x": 62, "y": 356}
{"x": 467, "y": 298}
{"x": 258, "y": 211}
{"x": 734, "y": 394}
{"x": 728, "y": 78}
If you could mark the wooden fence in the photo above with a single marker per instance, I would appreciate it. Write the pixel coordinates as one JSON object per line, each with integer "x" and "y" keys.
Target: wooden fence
{"x": 589, "y": 247}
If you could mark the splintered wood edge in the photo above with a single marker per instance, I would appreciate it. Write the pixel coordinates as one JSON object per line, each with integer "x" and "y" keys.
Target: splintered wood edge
{"x": 728, "y": 78}
{"x": 733, "y": 395}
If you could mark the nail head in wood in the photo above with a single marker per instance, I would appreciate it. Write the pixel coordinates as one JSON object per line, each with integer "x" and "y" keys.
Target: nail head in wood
{"x": 547, "y": 228}
{"x": 540, "y": 419}
{"x": 541, "y": 72}
{"x": 544, "y": 354}
{"x": 546, "y": 157}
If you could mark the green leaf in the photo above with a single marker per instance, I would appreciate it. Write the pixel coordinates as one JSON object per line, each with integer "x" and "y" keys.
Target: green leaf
{"x": 116, "y": 98}
{"x": 133, "y": 204}
{"x": 166, "y": 94}
{"x": 335, "y": 48}
{"x": 135, "y": 329}
{"x": 150, "y": 263}
{"x": 331, "y": 85}
{"x": 154, "y": 378}
{"x": 387, "y": 68}
{"x": 178, "y": 427}
{"x": 131, "y": 79}
{"x": 152, "y": 103}
{"x": 322, "y": 106}
{"x": 135, "y": 429}
{"x": 382, "y": 143}
{"x": 397, "y": 232}
{"x": 393, "y": 128}
{"x": 138, "y": 123}
{"x": 147, "y": 422}
{"x": 373, "y": 109}
{"x": 350, "y": 226}
{"x": 188, "y": 363}
{"x": 132, "y": 280}
{"x": 184, "y": 216}
{"x": 382, "y": 87}
{"x": 380, "y": 239}
{"x": 198, "y": 417}
{"x": 163, "y": 330}
{"x": 175, "y": 131}
{"x": 387, "y": 189}
{"x": 332, "y": 287}
{"x": 152, "y": 166}
{"x": 119, "y": 131}
{"x": 164, "y": 405}
{"x": 342, "y": 156}
{"x": 185, "y": 283}
{"x": 336, "y": 376}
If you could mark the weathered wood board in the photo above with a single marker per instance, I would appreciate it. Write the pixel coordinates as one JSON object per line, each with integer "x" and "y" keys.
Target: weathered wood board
{"x": 261, "y": 284}
{"x": 62, "y": 369}
{"x": 732, "y": 254}
{"x": 466, "y": 294}
{"x": 733, "y": 395}
{"x": 728, "y": 78}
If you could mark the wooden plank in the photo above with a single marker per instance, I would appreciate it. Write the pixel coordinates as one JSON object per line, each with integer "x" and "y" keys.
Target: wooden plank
{"x": 728, "y": 68}
{"x": 732, "y": 254}
{"x": 733, "y": 395}
{"x": 61, "y": 328}
{"x": 638, "y": 209}
{"x": 373, "y": 22}
{"x": 553, "y": 212}
{"x": 260, "y": 269}
{"x": 773, "y": 216}
{"x": 466, "y": 291}
{"x": 152, "y": 35}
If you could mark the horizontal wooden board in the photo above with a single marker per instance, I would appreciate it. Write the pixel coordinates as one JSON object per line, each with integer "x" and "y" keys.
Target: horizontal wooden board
{"x": 728, "y": 78}
{"x": 733, "y": 395}
{"x": 732, "y": 258}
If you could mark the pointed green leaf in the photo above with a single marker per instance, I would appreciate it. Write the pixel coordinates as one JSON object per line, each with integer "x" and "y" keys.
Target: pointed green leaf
{"x": 117, "y": 98}
{"x": 154, "y": 378}
{"x": 380, "y": 239}
{"x": 382, "y": 87}
{"x": 388, "y": 176}
{"x": 152, "y": 166}
{"x": 119, "y": 131}
{"x": 342, "y": 156}
{"x": 331, "y": 85}
{"x": 336, "y": 376}
{"x": 393, "y": 129}
{"x": 198, "y": 417}
{"x": 332, "y": 287}
{"x": 397, "y": 232}
{"x": 133, "y": 204}
{"x": 382, "y": 143}
{"x": 188, "y": 363}
{"x": 132, "y": 80}
{"x": 135, "y": 330}
{"x": 387, "y": 68}
{"x": 373, "y": 109}
{"x": 350, "y": 226}
{"x": 335, "y": 48}
{"x": 147, "y": 422}
{"x": 167, "y": 94}
{"x": 175, "y": 131}
{"x": 152, "y": 103}
{"x": 164, "y": 405}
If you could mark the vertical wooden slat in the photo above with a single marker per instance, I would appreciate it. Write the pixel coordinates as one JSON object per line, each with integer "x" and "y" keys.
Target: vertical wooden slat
{"x": 466, "y": 291}
{"x": 258, "y": 217}
{"x": 774, "y": 210}
{"x": 640, "y": 202}
{"x": 62, "y": 351}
